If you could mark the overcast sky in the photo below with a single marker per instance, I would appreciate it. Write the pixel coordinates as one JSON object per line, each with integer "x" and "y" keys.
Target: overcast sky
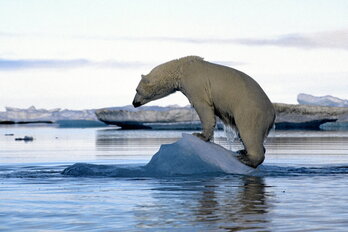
{"x": 82, "y": 54}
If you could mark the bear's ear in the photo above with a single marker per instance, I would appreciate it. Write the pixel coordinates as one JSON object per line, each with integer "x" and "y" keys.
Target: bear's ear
{"x": 144, "y": 79}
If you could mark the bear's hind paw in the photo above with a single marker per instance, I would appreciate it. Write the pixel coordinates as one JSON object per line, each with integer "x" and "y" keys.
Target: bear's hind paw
{"x": 243, "y": 158}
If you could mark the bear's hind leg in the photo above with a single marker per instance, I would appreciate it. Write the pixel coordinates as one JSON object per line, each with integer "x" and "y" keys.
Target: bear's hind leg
{"x": 254, "y": 153}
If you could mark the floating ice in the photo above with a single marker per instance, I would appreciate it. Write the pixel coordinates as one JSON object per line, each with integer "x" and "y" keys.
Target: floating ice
{"x": 188, "y": 156}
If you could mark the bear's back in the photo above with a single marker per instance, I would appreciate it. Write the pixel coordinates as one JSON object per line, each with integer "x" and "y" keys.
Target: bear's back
{"x": 221, "y": 77}
{"x": 228, "y": 86}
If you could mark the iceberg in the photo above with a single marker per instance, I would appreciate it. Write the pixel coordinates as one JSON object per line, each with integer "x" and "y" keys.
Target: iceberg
{"x": 33, "y": 114}
{"x": 191, "y": 155}
{"x": 187, "y": 156}
{"x": 328, "y": 100}
{"x": 289, "y": 116}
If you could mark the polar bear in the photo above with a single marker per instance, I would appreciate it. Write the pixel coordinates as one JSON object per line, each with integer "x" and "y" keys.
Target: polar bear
{"x": 215, "y": 90}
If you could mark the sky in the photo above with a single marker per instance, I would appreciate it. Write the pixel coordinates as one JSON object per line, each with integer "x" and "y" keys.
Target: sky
{"x": 84, "y": 54}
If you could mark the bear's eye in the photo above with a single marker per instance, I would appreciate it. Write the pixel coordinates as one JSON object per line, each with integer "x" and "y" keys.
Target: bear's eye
{"x": 138, "y": 91}
{"x": 145, "y": 80}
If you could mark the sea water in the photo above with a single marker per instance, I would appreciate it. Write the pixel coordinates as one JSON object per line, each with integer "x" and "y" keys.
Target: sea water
{"x": 302, "y": 185}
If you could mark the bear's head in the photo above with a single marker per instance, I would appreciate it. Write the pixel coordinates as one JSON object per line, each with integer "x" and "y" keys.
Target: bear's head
{"x": 160, "y": 82}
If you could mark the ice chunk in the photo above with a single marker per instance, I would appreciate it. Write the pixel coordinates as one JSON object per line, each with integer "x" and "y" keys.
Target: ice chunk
{"x": 84, "y": 169}
{"x": 188, "y": 156}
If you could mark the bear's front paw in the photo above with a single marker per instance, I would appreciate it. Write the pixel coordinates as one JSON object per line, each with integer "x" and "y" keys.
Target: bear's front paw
{"x": 201, "y": 136}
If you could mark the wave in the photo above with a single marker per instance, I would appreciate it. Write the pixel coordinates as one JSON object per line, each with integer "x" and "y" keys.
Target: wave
{"x": 31, "y": 171}
{"x": 139, "y": 170}
{"x": 85, "y": 169}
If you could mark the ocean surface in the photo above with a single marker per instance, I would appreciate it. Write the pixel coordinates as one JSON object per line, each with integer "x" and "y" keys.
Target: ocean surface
{"x": 302, "y": 185}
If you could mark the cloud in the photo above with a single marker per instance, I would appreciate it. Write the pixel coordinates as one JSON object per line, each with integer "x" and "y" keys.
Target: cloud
{"x": 6, "y": 64}
{"x": 7, "y": 34}
{"x": 328, "y": 39}
{"x": 19, "y": 64}
{"x": 337, "y": 39}
{"x": 121, "y": 64}
{"x": 193, "y": 40}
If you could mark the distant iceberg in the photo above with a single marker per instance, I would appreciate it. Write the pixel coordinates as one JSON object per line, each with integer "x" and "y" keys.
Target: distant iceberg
{"x": 34, "y": 114}
{"x": 187, "y": 156}
{"x": 304, "y": 117}
{"x": 150, "y": 117}
{"x": 307, "y": 99}
{"x": 73, "y": 118}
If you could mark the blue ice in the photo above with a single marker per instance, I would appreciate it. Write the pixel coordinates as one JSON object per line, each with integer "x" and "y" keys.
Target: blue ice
{"x": 187, "y": 156}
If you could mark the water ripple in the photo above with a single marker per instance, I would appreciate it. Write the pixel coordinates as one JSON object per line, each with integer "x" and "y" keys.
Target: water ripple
{"x": 138, "y": 171}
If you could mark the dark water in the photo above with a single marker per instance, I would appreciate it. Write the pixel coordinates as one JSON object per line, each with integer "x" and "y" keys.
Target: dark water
{"x": 302, "y": 185}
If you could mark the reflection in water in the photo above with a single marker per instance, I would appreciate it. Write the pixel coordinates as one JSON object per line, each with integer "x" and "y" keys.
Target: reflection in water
{"x": 253, "y": 201}
{"x": 113, "y": 142}
{"x": 237, "y": 203}
{"x": 241, "y": 207}
{"x": 232, "y": 203}
{"x": 120, "y": 143}
{"x": 308, "y": 145}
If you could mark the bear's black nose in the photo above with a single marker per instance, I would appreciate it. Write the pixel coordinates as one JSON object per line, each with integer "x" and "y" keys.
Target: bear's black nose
{"x": 136, "y": 104}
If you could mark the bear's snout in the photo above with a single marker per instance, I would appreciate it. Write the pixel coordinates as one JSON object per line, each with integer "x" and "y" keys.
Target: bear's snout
{"x": 137, "y": 101}
{"x": 136, "y": 104}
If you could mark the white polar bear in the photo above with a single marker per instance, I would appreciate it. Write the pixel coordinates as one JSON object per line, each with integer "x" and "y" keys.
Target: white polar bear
{"x": 215, "y": 90}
